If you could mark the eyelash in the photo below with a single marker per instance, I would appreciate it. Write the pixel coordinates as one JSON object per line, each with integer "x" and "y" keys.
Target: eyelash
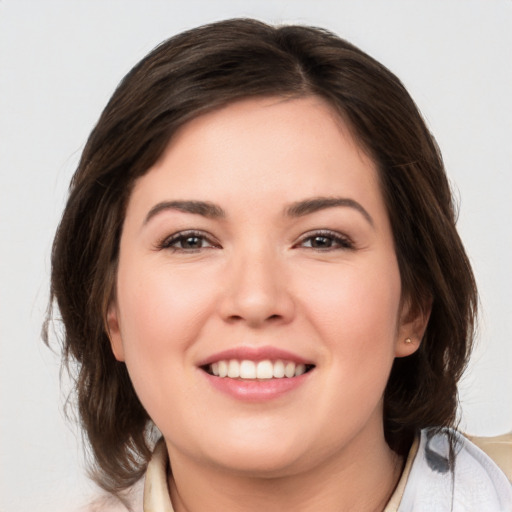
{"x": 182, "y": 236}
{"x": 337, "y": 241}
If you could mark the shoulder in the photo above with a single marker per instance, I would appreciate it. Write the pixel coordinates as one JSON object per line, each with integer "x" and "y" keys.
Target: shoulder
{"x": 449, "y": 473}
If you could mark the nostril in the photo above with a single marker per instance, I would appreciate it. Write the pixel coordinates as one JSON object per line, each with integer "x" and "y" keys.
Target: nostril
{"x": 234, "y": 318}
{"x": 238, "y": 318}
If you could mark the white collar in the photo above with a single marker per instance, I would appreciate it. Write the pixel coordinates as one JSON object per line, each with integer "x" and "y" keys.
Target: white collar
{"x": 156, "y": 488}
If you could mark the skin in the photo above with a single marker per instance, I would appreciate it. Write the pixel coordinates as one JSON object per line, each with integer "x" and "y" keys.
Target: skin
{"x": 256, "y": 277}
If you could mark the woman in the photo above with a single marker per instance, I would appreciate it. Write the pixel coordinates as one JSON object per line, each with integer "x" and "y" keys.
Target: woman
{"x": 259, "y": 257}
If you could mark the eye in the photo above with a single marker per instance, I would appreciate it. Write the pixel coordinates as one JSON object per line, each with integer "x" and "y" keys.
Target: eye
{"x": 325, "y": 241}
{"x": 187, "y": 241}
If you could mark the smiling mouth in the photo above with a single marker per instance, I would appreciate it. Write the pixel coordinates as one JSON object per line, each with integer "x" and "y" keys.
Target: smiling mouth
{"x": 256, "y": 370}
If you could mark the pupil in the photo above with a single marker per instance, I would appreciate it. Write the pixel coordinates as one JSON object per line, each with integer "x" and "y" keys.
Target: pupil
{"x": 192, "y": 242}
{"x": 321, "y": 241}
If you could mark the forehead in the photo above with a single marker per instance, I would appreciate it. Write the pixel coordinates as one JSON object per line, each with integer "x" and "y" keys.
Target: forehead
{"x": 262, "y": 150}
{"x": 273, "y": 115}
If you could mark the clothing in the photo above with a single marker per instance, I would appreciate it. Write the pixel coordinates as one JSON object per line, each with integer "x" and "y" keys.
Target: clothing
{"x": 473, "y": 483}
{"x": 429, "y": 482}
{"x": 396, "y": 497}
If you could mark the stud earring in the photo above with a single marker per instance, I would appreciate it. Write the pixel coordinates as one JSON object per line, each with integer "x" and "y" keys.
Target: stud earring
{"x": 408, "y": 341}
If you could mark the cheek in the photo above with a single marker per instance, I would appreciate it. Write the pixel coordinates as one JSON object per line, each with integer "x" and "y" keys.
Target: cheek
{"x": 161, "y": 314}
{"x": 356, "y": 309}
{"x": 159, "y": 305}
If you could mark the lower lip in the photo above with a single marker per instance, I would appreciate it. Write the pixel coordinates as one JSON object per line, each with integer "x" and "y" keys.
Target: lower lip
{"x": 256, "y": 390}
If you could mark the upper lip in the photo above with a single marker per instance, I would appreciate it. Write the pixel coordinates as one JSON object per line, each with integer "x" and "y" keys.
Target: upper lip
{"x": 254, "y": 354}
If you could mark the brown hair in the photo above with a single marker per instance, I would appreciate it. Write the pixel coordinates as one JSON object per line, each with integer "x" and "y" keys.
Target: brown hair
{"x": 203, "y": 69}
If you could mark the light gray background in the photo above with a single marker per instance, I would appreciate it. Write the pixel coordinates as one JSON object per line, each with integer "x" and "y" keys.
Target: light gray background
{"x": 60, "y": 62}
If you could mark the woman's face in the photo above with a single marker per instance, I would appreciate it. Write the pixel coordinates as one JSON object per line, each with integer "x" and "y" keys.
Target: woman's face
{"x": 259, "y": 246}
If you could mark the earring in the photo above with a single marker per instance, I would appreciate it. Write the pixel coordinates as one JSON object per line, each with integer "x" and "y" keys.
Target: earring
{"x": 408, "y": 341}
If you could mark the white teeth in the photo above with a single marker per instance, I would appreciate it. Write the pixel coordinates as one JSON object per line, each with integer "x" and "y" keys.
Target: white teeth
{"x": 289, "y": 370}
{"x": 247, "y": 369}
{"x": 264, "y": 370}
{"x": 278, "y": 370}
{"x": 223, "y": 368}
{"x": 300, "y": 369}
{"x": 233, "y": 369}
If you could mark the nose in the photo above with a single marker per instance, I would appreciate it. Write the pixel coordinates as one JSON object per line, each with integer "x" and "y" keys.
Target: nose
{"x": 257, "y": 290}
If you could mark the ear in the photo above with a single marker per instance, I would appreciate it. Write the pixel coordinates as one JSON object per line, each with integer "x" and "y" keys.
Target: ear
{"x": 114, "y": 332}
{"x": 413, "y": 322}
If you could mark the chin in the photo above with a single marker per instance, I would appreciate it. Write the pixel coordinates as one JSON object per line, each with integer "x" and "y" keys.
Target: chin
{"x": 259, "y": 463}
{"x": 264, "y": 455}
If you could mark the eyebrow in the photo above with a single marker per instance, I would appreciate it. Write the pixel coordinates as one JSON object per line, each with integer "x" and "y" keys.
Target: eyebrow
{"x": 297, "y": 209}
{"x": 315, "y": 204}
{"x": 203, "y": 208}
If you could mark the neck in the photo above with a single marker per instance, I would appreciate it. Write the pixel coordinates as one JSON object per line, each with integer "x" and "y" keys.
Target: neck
{"x": 360, "y": 479}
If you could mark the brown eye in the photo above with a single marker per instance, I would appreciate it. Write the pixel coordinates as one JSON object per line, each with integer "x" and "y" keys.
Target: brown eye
{"x": 187, "y": 242}
{"x": 321, "y": 242}
{"x": 326, "y": 241}
{"x": 190, "y": 242}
